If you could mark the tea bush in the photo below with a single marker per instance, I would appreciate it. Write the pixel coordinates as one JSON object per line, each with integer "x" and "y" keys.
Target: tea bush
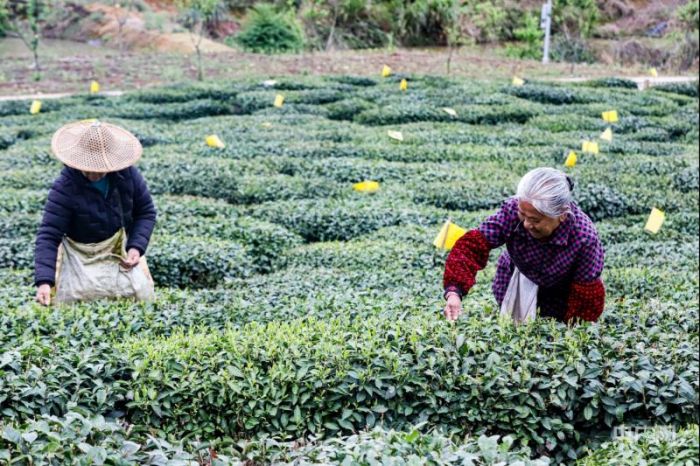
{"x": 391, "y": 447}
{"x": 187, "y": 261}
{"x": 383, "y": 372}
{"x": 299, "y": 321}
{"x": 612, "y": 82}
{"x": 688, "y": 88}
{"x": 655, "y": 446}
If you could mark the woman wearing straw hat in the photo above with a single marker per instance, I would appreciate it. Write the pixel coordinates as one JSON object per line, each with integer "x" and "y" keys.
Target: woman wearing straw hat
{"x": 98, "y": 194}
{"x": 553, "y": 258}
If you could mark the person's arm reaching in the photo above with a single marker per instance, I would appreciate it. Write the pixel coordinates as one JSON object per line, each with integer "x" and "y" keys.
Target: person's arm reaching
{"x": 469, "y": 255}
{"x": 144, "y": 215}
{"x": 471, "y": 252}
{"x": 54, "y": 224}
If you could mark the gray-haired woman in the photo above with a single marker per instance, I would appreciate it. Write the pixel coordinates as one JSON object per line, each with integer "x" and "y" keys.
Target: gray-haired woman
{"x": 553, "y": 258}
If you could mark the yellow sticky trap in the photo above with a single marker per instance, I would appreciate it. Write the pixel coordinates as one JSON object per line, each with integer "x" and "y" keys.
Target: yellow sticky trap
{"x": 403, "y": 85}
{"x": 214, "y": 141}
{"x": 266, "y": 124}
{"x": 570, "y": 160}
{"x": 610, "y": 116}
{"x": 653, "y": 73}
{"x": 450, "y": 111}
{"x": 386, "y": 72}
{"x": 517, "y": 82}
{"x": 590, "y": 147}
{"x": 36, "y": 107}
{"x": 366, "y": 186}
{"x": 656, "y": 219}
{"x": 448, "y": 235}
{"x": 94, "y": 87}
{"x": 395, "y": 135}
{"x": 279, "y": 100}
{"x": 607, "y": 135}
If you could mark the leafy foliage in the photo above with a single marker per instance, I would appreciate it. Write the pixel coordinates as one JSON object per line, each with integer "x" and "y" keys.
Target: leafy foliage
{"x": 269, "y": 31}
{"x": 530, "y": 35}
{"x": 654, "y": 446}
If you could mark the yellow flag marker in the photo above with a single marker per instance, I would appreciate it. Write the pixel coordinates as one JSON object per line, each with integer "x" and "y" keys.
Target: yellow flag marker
{"x": 653, "y": 73}
{"x": 450, "y": 111}
{"x": 656, "y": 219}
{"x": 36, "y": 107}
{"x": 94, "y": 87}
{"x": 448, "y": 236}
{"x": 386, "y": 72}
{"x": 607, "y": 135}
{"x": 403, "y": 85}
{"x": 366, "y": 186}
{"x": 395, "y": 135}
{"x": 570, "y": 160}
{"x": 279, "y": 100}
{"x": 610, "y": 116}
{"x": 590, "y": 147}
{"x": 214, "y": 141}
{"x": 517, "y": 82}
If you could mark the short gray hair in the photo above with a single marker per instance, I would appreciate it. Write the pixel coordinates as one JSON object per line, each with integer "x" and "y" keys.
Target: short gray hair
{"x": 548, "y": 190}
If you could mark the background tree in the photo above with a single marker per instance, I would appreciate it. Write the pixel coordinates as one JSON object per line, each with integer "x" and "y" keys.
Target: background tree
{"x": 4, "y": 17}
{"x": 23, "y": 19}
{"x": 122, "y": 11}
{"x": 575, "y": 18}
{"x": 688, "y": 17}
{"x": 573, "y": 22}
{"x": 454, "y": 33}
{"x": 195, "y": 14}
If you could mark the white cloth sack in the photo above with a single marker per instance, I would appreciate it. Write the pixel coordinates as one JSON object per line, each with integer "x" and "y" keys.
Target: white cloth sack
{"x": 520, "y": 301}
{"x": 86, "y": 272}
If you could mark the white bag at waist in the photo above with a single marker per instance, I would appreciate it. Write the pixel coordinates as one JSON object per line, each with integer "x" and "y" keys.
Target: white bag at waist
{"x": 520, "y": 301}
{"x": 86, "y": 272}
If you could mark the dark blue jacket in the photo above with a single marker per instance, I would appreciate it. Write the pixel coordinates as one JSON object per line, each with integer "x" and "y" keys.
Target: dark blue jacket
{"x": 78, "y": 210}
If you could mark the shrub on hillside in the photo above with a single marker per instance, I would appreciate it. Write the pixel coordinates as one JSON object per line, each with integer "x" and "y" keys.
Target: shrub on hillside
{"x": 267, "y": 30}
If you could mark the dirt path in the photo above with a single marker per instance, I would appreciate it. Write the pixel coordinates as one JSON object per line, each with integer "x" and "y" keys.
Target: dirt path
{"x": 53, "y": 96}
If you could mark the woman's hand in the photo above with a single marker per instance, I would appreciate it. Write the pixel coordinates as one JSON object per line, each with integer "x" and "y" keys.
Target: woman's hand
{"x": 453, "y": 308}
{"x": 43, "y": 294}
{"x": 132, "y": 259}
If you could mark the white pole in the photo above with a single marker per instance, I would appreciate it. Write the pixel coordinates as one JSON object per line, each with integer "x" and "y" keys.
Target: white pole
{"x": 546, "y": 24}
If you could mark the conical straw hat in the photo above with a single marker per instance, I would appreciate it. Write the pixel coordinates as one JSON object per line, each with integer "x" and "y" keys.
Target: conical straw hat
{"x": 95, "y": 146}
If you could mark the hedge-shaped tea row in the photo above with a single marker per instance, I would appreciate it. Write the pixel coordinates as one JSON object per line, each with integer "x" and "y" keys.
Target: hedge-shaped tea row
{"x": 338, "y": 374}
{"x": 83, "y": 439}
{"x": 102, "y": 385}
{"x": 659, "y": 445}
{"x": 79, "y": 439}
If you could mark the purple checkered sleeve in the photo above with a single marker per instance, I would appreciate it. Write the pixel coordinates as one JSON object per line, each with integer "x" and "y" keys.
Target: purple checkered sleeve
{"x": 589, "y": 263}
{"x": 499, "y": 226}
